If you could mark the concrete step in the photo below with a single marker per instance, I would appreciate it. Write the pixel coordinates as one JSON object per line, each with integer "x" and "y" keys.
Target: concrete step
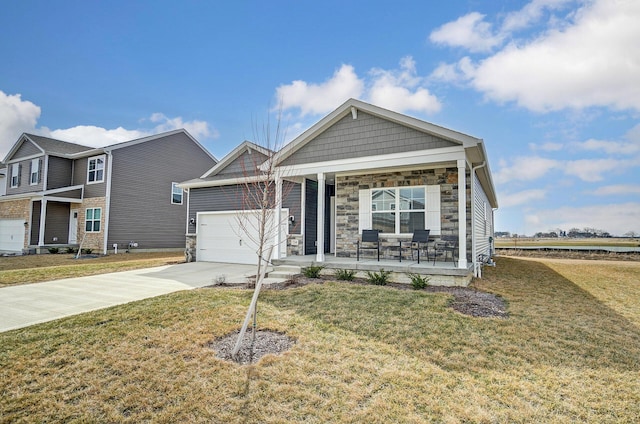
{"x": 284, "y": 271}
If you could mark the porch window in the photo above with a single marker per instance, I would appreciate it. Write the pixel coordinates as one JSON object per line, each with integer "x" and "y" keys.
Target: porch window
{"x": 176, "y": 194}
{"x": 95, "y": 169}
{"x": 15, "y": 175}
{"x": 92, "y": 220}
{"x": 34, "y": 177}
{"x": 400, "y": 210}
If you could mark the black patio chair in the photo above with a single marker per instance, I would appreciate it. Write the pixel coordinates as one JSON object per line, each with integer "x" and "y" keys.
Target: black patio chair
{"x": 419, "y": 237}
{"x": 447, "y": 244}
{"x": 371, "y": 237}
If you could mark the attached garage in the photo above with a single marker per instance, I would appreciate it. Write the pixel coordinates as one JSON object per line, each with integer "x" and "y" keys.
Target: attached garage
{"x": 221, "y": 238}
{"x": 11, "y": 235}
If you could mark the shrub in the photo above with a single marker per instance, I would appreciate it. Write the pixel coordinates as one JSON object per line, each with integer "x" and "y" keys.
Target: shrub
{"x": 344, "y": 274}
{"x": 312, "y": 271}
{"x": 418, "y": 282}
{"x": 378, "y": 278}
{"x": 53, "y": 250}
{"x": 71, "y": 250}
{"x": 87, "y": 251}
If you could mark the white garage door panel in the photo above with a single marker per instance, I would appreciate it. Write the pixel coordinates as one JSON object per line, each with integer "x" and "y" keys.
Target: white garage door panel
{"x": 221, "y": 239}
{"x": 11, "y": 234}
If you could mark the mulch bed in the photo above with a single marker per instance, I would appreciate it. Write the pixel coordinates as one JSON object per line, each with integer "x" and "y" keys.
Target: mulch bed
{"x": 266, "y": 342}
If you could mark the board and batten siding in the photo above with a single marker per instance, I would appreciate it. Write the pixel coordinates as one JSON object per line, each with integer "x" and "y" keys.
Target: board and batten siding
{"x": 141, "y": 210}
{"x": 367, "y": 135}
{"x": 483, "y": 219}
{"x": 59, "y": 173}
{"x": 230, "y": 198}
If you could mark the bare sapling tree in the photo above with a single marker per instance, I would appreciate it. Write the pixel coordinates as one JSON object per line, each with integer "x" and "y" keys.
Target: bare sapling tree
{"x": 260, "y": 219}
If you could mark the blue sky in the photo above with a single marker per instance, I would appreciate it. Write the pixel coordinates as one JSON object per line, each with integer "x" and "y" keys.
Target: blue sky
{"x": 552, "y": 86}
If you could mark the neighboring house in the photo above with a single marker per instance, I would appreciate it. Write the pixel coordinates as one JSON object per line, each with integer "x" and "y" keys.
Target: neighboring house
{"x": 65, "y": 194}
{"x": 3, "y": 176}
{"x": 360, "y": 167}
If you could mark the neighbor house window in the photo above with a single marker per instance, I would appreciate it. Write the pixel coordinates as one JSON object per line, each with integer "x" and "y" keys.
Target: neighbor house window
{"x": 92, "y": 220}
{"x": 95, "y": 169}
{"x": 15, "y": 175}
{"x": 34, "y": 175}
{"x": 398, "y": 210}
{"x": 176, "y": 194}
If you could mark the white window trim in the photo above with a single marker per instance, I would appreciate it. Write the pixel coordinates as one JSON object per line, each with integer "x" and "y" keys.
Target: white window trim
{"x": 396, "y": 210}
{"x": 35, "y": 164}
{"x": 432, "y": 209}
{"x": 104, "y": 168}
{"x": 174, "y": 184}
{"x": 92, "y": 220}
{"x": 15, "y": 173}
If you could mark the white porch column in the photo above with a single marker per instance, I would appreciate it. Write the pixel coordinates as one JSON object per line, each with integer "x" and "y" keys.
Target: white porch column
{"x": 277, "y": 249}
{"x": 320, "y": 217}
{"x": 462, "y": 214}
{"x": 43, "y": 218}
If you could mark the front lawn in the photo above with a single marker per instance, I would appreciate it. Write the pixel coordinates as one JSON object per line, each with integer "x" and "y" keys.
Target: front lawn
{"x": 37, "y": 268}
{"x": 569, "y": 352}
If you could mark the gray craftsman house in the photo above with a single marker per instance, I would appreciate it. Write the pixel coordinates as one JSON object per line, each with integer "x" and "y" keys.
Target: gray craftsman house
{"x": 60, "y": 194}
{"x": 359, "y": 168}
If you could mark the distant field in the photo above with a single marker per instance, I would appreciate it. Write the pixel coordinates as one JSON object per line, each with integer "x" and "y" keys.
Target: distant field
{"x": 618, "y": 242}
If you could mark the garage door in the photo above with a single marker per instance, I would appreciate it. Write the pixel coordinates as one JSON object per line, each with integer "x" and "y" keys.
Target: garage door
{"x": 12, "y": 235}
{"x": 221, "y": 239}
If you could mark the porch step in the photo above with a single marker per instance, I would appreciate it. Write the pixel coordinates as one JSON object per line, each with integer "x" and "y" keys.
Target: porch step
{"x": 284, "y": 271}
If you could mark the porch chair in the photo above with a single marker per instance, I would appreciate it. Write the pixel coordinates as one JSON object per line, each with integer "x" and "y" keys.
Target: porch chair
{"x": 447, "y": 244}
{"x": 419, "y": 236}
{"x": 369, "y": 236}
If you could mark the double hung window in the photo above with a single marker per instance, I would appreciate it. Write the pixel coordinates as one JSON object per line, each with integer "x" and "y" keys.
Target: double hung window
{"x": 95, "y": 169}
{"x": 176, "y": 194}
{"x": 92, "y": 220}
{"x": 15, "y": 175}
{"x": 398, "y": 210}
{"x": 34, "y": 176}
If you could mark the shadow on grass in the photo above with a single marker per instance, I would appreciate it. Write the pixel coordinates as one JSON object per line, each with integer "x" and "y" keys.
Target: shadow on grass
{"x": 553, "y": 322}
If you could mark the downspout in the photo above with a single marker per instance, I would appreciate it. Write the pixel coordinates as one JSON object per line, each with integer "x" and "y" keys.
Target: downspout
{"x": 474, "y": 249}
{"x": 107, "y": 201}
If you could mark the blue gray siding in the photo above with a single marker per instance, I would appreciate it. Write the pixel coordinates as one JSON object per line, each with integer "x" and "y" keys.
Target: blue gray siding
{"x": 26, "y": 149}
{"x": 57, "y": 223}
{"x": 230, "y": 198}
{"x": 366, "y": 136}
{"x": 80, "y": 177}
{"x": 245, "y": 164}
{"x": 60, "y": 172}
{"x": 141, "y": 208}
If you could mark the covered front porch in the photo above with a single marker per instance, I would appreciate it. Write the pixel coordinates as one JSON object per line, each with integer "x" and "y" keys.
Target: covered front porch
{"x": 443, "y": 273}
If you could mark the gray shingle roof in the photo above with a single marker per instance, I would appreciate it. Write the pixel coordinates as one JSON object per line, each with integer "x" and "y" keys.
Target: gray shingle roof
{"x": 51, "y": 145}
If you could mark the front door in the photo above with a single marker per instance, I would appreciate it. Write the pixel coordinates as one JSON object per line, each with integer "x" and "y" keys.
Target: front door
{"x": 73, "y": 227}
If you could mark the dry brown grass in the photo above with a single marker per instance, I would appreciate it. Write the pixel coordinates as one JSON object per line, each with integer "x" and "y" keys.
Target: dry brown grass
{"x": 363, "y": 354}
{"x": 612, "y": 241}
{"x": 27, "y": 269}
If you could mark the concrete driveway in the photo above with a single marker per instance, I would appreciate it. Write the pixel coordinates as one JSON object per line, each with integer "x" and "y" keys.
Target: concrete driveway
{"x": 21, "y": 306}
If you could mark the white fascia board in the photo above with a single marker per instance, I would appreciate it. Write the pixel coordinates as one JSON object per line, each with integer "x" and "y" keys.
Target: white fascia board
{"x": 216, "y": 183}
{"x": 15, "y": 147}
{"x": 394, "y": 160}
{"x": 63, "y": 199}
{"x": 37, "y": 155}
{"x": 63, "y": 189}
{"x": 233, "y": 155}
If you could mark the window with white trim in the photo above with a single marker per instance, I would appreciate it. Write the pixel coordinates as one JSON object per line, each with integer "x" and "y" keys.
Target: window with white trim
{"x": 15, "y": 175}
{"x": 34, "y": 175}
{"x": 176, "y": 194}
{"x": 92, "y": 220}
{"x": 95, "y": 169}
{"x": 399, "y": 210}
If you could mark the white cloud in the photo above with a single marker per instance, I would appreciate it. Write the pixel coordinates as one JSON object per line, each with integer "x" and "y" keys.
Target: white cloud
{"x": 593, "y": 61}
{"x": 609, "y": 147}
{"x": 401, "y": 90}
{"x": 521, "y": 197}
{"x": 614, "y": 218}
{"x": 546, "y": 147}
{"x": 16, "y": 116}
{"x": 614, "y": 190}
{"x": 591, "y": 170}
{"x": 321, "y": 98}
{"x": 530, "y": 13}
{"x": 459, "y": 72}
{"x": 20, "y": 116}
{"x": 524, "y": 169}
{"x": 469, "y": 31}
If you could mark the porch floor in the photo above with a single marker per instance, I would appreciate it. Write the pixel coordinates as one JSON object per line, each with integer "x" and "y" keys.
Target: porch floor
{"x": 442, "y": 273}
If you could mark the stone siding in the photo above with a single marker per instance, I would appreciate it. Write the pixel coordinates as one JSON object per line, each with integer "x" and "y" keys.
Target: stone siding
{"x": 347, "y": 205}
{"x": 295, "y": 250}
{"x": 94, "y": 241}
{"x": 190, "y": 248}
{"x": 17, "y": 209}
